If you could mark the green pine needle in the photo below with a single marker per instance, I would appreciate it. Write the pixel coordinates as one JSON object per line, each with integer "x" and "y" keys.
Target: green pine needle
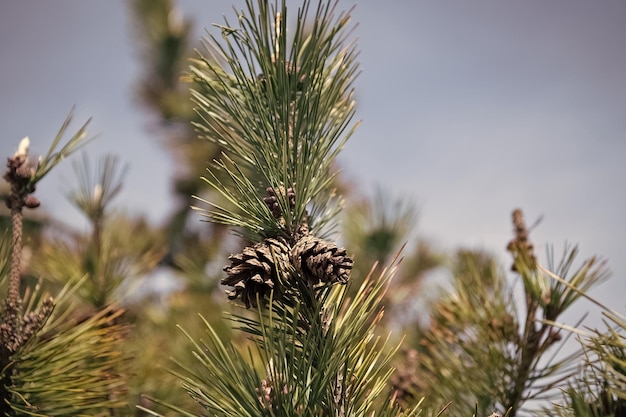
{"x": 317, "y": 355}
{"x": 54, "y": 156}
{"x": 70, "y": 367}
{"x": 280, "y": 104}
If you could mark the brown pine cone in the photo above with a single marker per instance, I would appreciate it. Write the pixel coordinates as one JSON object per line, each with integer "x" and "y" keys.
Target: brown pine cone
{"x": 320, "y": 260}
{"x": 256, "y": 271}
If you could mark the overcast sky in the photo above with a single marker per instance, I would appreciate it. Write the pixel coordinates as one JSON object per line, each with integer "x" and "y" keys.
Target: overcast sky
{"x": 470, "y": 108}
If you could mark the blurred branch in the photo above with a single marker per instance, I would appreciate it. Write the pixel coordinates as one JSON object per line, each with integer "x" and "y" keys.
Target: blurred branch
{"x": 23, "y": 178}
{"x": 477, "y": 350}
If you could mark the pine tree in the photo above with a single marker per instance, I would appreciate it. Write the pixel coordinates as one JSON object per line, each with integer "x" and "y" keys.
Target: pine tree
{"x": 280, "y": 104}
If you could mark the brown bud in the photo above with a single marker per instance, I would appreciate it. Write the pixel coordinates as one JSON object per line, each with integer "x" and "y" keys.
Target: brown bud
{"x": 24, "y": 171}
{"x": 555, "y": 335}
{"x": 31, "y": 202}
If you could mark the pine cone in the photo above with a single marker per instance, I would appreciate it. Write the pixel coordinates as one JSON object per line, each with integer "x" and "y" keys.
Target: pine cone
{"x": 320, "y": 260}
{"x": 272, "y": 202}
{"x": 256, "y": 270}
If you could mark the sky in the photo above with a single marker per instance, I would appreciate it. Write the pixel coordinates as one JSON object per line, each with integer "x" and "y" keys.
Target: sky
{"x": 469, "y": 108}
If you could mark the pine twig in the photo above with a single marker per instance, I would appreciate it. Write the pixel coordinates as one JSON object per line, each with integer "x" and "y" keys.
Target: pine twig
{"x": 18, "y": 175}
{"x": 16, "y": 328}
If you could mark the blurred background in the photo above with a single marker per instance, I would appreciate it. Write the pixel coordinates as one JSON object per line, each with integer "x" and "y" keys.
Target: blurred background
{"x": 469, "y": 109}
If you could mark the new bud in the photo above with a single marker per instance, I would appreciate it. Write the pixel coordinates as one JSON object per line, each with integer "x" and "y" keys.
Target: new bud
{"x": 22, "y": 150}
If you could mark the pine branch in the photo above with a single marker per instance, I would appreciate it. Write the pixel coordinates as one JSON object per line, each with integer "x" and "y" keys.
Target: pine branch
{"x": 17, "y": 327}
{"x": 44, "y": 357}
{"x": 286, "y": 125}
{"x": 280, "y": 105}
{"x": 478, "y": 351}
{"x": 73, "y": 366}
{"x": 310, "y": 358}
{"x": 599, "y": 387}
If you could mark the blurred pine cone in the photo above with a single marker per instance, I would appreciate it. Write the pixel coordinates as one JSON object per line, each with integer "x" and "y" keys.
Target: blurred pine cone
{"x": 405, "y": 381}
{"x": 272, "y": 201}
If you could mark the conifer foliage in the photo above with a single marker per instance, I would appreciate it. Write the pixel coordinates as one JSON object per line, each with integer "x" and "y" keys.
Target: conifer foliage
{"x": 274, "y": 105}
{"x": 51, "y": 364}
{"x": 280, "y": 105}
{"x": 278, "y": 99}
{"x": 482, "y": 351}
